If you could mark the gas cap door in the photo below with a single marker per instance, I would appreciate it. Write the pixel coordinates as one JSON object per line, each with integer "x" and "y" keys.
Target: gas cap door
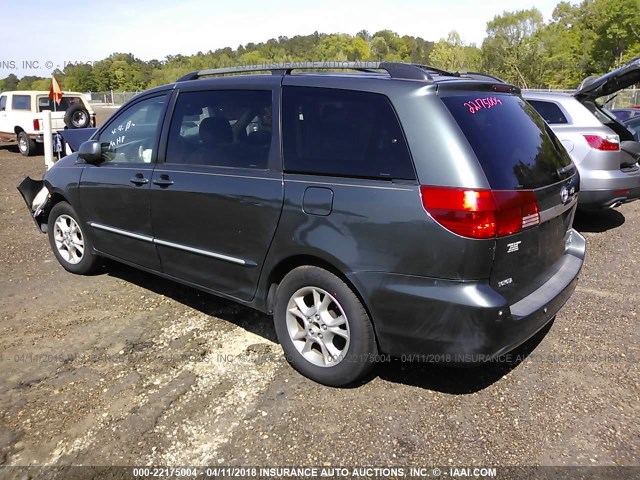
{"x": 317, "y": 201}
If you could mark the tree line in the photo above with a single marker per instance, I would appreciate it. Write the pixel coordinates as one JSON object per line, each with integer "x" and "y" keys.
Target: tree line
{"x": 589, "y": 38}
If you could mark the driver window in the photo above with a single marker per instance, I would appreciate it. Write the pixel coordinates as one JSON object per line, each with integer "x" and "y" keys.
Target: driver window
{"x": 131, "y": 136}
{"x": 3, "y": 104}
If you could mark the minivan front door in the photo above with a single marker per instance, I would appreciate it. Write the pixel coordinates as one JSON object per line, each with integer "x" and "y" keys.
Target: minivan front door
{"x": 114, "y": 193}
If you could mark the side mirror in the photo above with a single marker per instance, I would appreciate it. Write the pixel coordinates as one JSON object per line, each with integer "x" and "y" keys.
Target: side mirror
{"x": 90, "y": 151}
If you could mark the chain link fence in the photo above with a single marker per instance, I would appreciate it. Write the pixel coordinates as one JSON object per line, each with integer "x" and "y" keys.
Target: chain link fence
{"x": 109, "y": 99}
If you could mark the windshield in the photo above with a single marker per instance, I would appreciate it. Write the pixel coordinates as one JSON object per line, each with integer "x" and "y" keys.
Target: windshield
{"x": 514, "y": 145}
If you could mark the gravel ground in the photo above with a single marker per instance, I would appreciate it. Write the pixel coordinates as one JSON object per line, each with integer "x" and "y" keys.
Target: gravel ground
{"x": 125, "y": 368}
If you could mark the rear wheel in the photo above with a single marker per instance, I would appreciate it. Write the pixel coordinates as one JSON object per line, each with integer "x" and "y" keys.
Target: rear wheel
{"x": 68, "y": 241}
{"x": 324, "y": 329}
{"x": 26, "y": 145}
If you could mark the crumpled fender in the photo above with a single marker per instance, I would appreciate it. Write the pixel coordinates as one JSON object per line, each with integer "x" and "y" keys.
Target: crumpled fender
{"x": 37, "y": 197}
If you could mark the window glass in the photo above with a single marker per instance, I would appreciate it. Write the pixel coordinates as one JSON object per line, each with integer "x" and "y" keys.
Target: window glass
{"x": 223, "y": 128}
{"x": 132, "y": 135}
{"x": 3, "y": 103}
{"x": 343, "y": 133}
{"x": 44, "y": 103}
{"x": 516, "y": 148}
{"x": 21, "y": 102}
{"x": 549, "y": 111}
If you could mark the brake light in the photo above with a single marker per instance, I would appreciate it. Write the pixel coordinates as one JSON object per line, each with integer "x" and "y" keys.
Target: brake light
{"x": 481, "y": 214}
{"x": 607, "y": 143}
{"x": 36, "y": 125}
{"x": 503, "y": 88}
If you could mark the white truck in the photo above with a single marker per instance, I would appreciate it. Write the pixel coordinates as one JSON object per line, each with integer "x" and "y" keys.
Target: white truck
{"x": 21, "y": 116}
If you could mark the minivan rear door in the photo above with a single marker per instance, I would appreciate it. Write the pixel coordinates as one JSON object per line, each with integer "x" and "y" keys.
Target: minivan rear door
{"x": 519, "y": 152}
{"x": 217, "y": 196}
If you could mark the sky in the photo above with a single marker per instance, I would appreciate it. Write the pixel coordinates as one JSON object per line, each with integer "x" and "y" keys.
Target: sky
{"x": 81, "y": 31}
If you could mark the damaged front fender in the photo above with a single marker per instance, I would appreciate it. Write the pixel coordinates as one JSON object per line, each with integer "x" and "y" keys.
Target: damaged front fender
{"x": 36, "y": 196}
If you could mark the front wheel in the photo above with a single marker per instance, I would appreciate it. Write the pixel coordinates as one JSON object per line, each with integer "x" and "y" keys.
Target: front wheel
{"x": 324, "y": 329}
{"x": 26, "y": 145}
{"x": 68, "y": 241}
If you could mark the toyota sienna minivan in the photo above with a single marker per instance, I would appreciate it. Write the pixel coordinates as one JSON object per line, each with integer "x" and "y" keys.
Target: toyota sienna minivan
{"x": 374, "y": 209}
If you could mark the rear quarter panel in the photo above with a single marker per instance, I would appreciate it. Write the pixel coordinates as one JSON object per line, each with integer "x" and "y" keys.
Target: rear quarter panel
{"x": 375, "y": 226}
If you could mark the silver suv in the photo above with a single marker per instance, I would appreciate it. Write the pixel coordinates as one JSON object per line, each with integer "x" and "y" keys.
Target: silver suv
{"x": 604, "y": 151}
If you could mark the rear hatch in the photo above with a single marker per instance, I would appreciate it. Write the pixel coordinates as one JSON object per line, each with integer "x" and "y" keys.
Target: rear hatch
{"x": 532, "y": 180}
{"x": 593, "y": 88}
{"x": 610, "y": 83}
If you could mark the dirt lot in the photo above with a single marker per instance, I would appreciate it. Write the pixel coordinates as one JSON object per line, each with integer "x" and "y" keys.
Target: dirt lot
{"x": 126, "y": 368}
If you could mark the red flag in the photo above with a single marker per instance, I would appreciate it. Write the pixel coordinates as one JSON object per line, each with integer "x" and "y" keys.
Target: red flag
{"x": 55, "y": 92}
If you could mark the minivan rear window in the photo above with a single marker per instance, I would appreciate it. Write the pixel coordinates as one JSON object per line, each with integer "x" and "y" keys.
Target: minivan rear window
{"x": 345, "y": 133}
{"x": 516, "y": 148}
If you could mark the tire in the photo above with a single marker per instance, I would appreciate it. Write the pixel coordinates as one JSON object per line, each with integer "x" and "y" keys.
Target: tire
{"x": 67, "y": 238}
{"x": 77, "y": 117}
{"x": 344, "y": 357}
{"x": 26, "y": 145}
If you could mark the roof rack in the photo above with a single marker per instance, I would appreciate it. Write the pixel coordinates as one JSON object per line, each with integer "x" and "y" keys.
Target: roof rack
{"x": 407, "y": 71}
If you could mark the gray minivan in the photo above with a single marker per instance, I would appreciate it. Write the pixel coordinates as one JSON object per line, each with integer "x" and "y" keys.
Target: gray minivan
{"x": 387, "y": 209}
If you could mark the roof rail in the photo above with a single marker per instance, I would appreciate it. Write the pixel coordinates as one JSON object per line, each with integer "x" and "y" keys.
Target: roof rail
{"x": 406, "y": 71}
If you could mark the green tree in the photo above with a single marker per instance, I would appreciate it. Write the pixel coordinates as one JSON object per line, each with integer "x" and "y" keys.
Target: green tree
{"x": 379, "y": 47}
{"x": 11, "y": 82}
{"x": 342, "y": 47}
{"x": 80, "y": 78}
{"x": 26, "y": 82}
{"x": 566, "y": 47}
{"x": 452, "y": 54}
{"x": 42, "y": 84}
{"x": 103, "y": 75}
{"x": 511, "y": 49}
{"x": 616, "y": 24}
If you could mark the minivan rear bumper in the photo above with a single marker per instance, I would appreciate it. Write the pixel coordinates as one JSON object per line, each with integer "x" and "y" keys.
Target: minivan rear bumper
{"x": 463, "y": 322}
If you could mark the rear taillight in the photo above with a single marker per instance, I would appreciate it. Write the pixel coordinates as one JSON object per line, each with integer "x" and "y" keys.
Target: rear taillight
{"x": 481, "y": 213}
{"x": 607, "y": 143}
{"x": 36, "y": 125}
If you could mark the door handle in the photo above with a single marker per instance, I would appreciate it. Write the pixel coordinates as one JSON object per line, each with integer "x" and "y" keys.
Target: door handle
{"x": 163, "y": 181}
{"x": 139, "y": 180}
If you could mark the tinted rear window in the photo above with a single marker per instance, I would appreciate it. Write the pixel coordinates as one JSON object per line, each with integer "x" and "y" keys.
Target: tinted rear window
{"x": 343, "y": 133}
{"x": 516, "y": 148}
{"x": 549, "y": 111}
{"x": 21, "y": 102}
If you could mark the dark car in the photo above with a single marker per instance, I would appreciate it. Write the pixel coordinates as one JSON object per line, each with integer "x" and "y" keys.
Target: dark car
{"x": 396, "y": 210}
{"x": 624, "y": 114}
{"x": 633, "y": 125}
